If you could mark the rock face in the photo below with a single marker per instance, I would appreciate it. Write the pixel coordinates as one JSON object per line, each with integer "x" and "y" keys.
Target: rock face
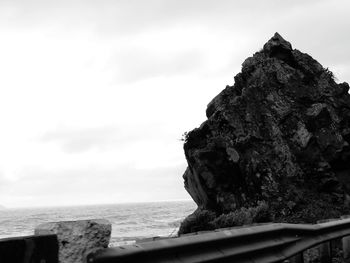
{"x": 279, "y": 135}
{"x": 78, "y": 238}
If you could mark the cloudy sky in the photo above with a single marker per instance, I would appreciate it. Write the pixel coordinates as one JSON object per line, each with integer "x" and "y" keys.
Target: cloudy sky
{"x": 95, "y": 95}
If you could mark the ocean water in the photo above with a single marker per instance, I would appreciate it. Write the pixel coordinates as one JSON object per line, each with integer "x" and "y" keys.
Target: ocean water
{"x": 130, "y": 222}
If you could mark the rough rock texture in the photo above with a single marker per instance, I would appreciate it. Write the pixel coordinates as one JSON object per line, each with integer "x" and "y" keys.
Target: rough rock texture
{"x": 279, "y": 135}
{"x": 78, "y": 238}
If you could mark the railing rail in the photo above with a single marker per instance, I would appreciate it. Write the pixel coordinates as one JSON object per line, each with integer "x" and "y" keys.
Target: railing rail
{"x": 29, "y": 249}
{"x": 261, "y": 243}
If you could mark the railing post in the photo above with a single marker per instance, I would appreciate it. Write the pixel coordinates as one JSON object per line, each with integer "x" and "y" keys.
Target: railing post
{"x": 325, "y": 249}
{"x": 346, "y": 244}
{"x": 325, "y": 253}
{"x": 298, "y": 258}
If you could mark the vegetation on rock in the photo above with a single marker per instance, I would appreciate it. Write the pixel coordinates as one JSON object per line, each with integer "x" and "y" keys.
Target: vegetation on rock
{"x": 207, "y": 220}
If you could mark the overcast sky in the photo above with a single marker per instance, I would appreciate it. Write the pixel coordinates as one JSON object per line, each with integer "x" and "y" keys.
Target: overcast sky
{"x": 94, "y": 95}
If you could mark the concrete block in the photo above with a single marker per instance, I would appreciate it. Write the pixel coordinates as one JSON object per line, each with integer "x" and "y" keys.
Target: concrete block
{"x": 78, "y": 238}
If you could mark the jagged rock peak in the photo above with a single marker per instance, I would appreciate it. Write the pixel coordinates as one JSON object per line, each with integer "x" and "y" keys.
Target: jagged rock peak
{"x": 279, "y": 135}
{"x": 277, "y": 42}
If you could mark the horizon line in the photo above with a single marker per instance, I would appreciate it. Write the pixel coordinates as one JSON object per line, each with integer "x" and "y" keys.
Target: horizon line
{"x": 95, "y": 204}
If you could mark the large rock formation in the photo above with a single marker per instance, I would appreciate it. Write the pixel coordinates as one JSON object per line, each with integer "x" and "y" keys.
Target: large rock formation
{"x": 280, "y": 135}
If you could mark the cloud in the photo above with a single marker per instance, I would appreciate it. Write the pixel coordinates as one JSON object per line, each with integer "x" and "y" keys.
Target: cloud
{"x": 95, "y": 185}
{"x": 3, "y": 181}
{"x": 78, "y": 140}
{"x": 127, "y": 17}
{"x": 139, "y": 63}
{"x": 106, "y": 88}
{"x": 156, "y": 38}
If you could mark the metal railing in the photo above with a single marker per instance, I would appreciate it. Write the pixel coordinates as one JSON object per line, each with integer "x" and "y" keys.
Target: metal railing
{"x": 259, "y": 243}
{"x": 29, "y": 249}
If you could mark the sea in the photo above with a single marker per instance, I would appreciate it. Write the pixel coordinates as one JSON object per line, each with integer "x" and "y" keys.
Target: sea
{"x": 130, "y": 221}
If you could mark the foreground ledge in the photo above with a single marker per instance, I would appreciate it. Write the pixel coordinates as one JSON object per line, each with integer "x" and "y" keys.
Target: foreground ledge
{"x": 78, "y": 238}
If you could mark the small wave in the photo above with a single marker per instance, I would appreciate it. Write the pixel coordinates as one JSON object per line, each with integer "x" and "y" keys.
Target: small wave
{"x": 126, "y": 223}
{"x": 133, "y": 221}
{"x": 115, "y": 243}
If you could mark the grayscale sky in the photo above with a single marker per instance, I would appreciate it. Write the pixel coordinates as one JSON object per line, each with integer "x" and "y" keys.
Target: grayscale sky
{"x": 95, "y": 95}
